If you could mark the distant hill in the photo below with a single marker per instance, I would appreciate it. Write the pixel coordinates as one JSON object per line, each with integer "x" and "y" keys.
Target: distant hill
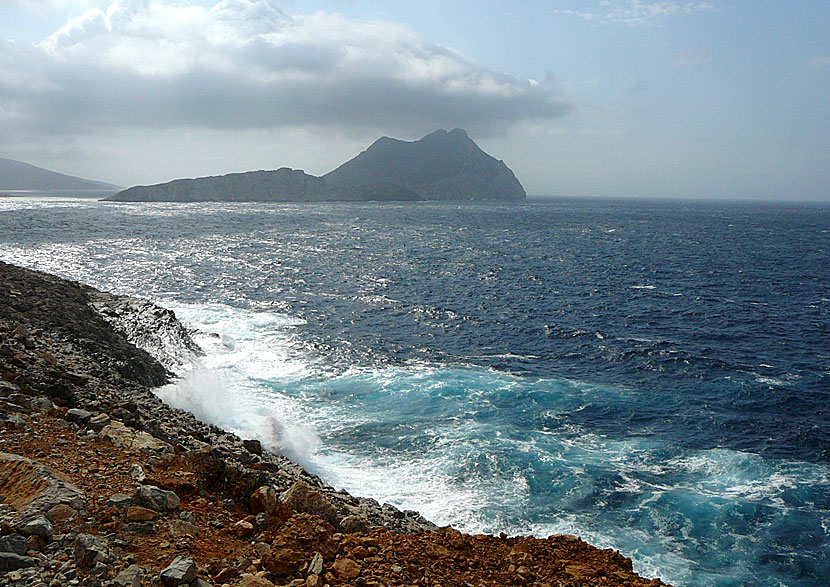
{"x": 16, "y": 175}
{"x": 441, "y": 166}
{"x": 282, "y": 185}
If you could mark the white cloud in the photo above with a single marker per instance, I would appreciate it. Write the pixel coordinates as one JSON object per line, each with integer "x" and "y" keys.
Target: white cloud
{"x": 245, "y": 64}
{"x": 637, "y": 12}
{"x": 818, "y": 63}
{"x": 691, "y": 57}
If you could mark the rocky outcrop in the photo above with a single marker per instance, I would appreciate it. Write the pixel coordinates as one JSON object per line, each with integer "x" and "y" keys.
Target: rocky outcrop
{"x": 441, "y": 166}
{"x": 149, "y": 327}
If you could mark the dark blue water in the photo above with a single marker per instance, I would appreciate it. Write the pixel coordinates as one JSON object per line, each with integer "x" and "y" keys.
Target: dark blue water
{"x": 653, "y": 376}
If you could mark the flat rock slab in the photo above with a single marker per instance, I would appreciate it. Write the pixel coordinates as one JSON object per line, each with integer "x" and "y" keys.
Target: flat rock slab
{"x": 11, "y": 562}
{"x": 31, "y": 487}
{"x": 125, "y": 437}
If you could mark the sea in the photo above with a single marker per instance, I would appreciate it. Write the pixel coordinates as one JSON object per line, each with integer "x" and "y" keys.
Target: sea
{"x": 652, "y": 376}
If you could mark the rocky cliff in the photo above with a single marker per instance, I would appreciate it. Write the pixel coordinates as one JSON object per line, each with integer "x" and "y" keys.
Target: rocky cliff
{"x": 441, "y": 166}
{"x": 103, "y": 485}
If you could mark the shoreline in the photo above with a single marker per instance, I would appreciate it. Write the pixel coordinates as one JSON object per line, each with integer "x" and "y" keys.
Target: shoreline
{"x": 75, "y": 400}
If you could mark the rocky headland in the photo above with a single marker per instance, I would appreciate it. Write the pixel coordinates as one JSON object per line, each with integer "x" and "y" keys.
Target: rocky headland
{"x": 440, "y": 166}
{"x": 102, "y": 484}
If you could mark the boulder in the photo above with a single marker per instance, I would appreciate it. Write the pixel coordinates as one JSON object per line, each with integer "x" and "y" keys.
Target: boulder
{"x": 90, "y": 550}
{"x": 15, "y": 543}
{"x": 253, "y": 446}
{"x": 346, "y": 568}
{"x": 156, "y": 499}
{"x": 130, "y": 577}
{"x": 180, "y": 528}
{"x": 121, "y": 435}
{"x": 32, "y": 488}
{"x": 10, "y": 561}
{"x": 302, "y": 498}
{"x": 354, "y": 523}
{"x": 77, "y": 416}
{"x": 36, "y": 526}
{"x": 98, "y": 422}
{"x": 182, "y": 571}
{"x": 61, "y": 513}
{"x": 283, "y": 560}
{"x": 264, "y": 500}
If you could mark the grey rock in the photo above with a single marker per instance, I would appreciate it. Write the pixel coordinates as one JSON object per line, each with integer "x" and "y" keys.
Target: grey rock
{"x": 130, "y": 577}
{"x": 77, "y": 416}
{"x": 315, "y": 567}
{"x": 15, "y": 543}
{"x": 181, "y": 571}
{"x": 36, "y": 526}
{"x": 137, "y": 472}
{"x": 145, "y": 528}
{"x": 120, "y": 500}
{"x": 99, "y": 569}
{"x": 179, "y": 528}
{"x": 247, "y": 458}
{"x": 10, "y": 561}
{"x": 156, "y": 499}
{"x": 98, "y": 422}
{"x": 90, "y": 550}
{"x": 15, "y": 421}
{"x": 253, "y": 446}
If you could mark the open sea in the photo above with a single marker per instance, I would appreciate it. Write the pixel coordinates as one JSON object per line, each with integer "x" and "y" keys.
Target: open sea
{"x": 651, "y": 376}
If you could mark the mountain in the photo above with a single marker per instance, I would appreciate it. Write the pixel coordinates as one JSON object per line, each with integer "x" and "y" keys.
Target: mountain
{"x": 16, "y": 175}
{"x": 441, "y": 166}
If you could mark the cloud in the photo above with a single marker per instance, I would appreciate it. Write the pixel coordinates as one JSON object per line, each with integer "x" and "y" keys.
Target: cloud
{"x": 691, "y": 58}
{"x": 639, "y": 88}
{"x": 637, "y": 13}
{"x": 245, "y": 64}
{"x": 818, "y": 63}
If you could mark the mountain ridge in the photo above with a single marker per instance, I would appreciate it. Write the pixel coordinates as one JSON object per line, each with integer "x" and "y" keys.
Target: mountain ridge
{"x": 17, "y": 175}
{"x": 440, "y": 166}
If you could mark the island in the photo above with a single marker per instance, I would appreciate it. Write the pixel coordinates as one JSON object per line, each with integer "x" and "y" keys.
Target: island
{"x": 20, "y": 176}
{"x": 440, "y": 166}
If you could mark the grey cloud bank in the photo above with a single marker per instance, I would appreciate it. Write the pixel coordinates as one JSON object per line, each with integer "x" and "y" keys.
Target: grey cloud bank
{"x": 248, "y": 65}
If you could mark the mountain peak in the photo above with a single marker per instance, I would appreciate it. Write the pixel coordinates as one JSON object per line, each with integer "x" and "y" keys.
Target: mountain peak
{"x": 440, "y": 166}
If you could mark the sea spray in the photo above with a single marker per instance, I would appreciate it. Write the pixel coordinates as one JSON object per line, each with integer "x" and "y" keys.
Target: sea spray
{"x": 240, "y": 408}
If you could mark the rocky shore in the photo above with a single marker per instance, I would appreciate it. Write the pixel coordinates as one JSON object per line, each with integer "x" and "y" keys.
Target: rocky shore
{"x": 102, "y": 484}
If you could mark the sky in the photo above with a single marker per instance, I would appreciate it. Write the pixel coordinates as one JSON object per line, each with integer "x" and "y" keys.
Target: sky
{"x": 606, "y": 98}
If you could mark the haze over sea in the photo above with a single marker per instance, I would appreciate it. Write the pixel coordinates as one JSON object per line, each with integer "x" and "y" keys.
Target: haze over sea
{"x": 651, "y": 376}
